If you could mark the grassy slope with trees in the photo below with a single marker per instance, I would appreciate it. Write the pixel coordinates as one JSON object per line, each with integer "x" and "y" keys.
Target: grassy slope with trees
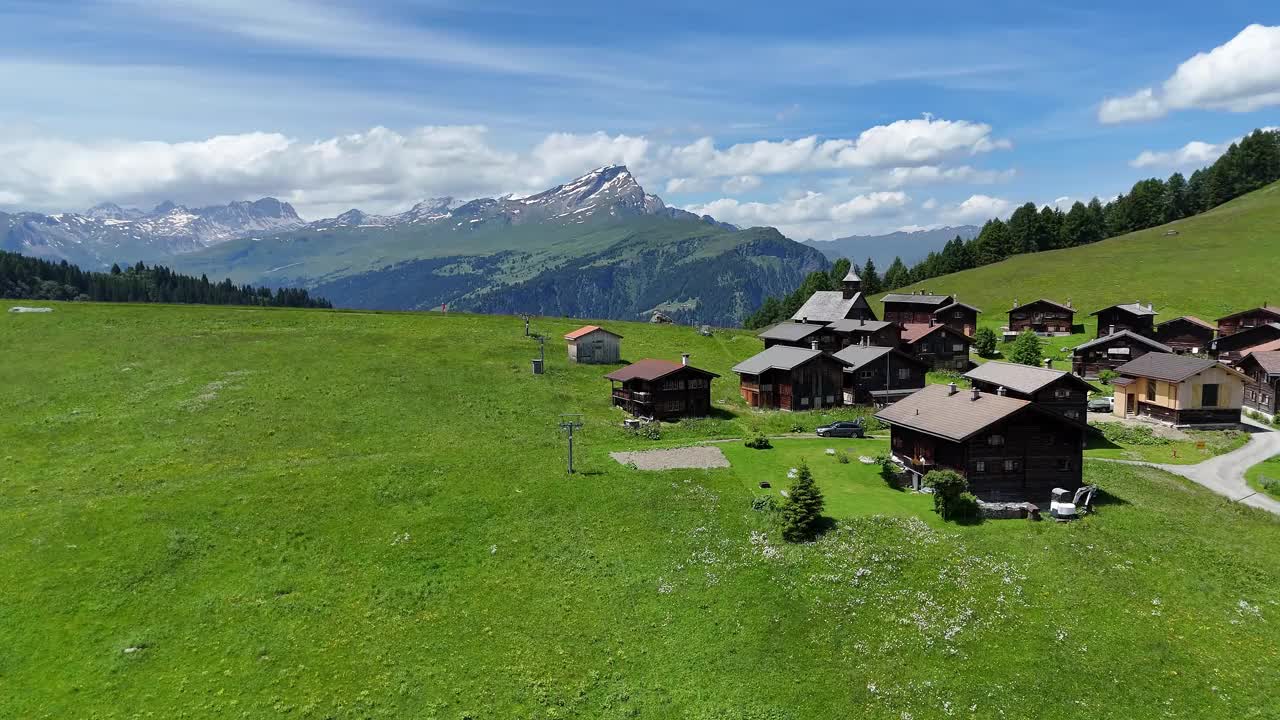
{"x": 353, "y": 515}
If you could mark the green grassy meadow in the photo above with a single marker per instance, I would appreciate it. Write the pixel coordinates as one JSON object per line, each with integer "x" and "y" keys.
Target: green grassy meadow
{"x": 1235, "y": 240}
{"x": 226, "y": 512}
{"x": 1266, "y": 470}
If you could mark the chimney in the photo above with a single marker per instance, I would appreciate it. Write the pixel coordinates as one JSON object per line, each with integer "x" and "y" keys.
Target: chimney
{"x": 930, "y": 321}
{"x": 976, "y": 393}
{"x": 1111, "y": 329}
{"x": 804, "y": 320}
{"x": 1069, "y": 302}
{"x": 684, "y": 358}
{"x": 1048, "y": 363}
{"x": 813, "y": 344}
{"x": 951, "y": 388}
{"x": 862, "y": 319}
{"x": 1015, "y": 302}
{"x": 1001, "y": 391}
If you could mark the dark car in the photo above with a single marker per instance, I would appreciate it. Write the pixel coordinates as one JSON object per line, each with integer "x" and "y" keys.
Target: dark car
{"x": 844, "y": 428}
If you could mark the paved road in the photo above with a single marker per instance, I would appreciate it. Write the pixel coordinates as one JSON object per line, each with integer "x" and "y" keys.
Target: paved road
{"x": 1224, "y": 474}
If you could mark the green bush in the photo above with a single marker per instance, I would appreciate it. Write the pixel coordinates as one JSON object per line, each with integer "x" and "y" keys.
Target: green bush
{"x": 984, "y": 342}
{"x": 842, "y": 458}
{"x": 1026, "y": 349}
{"x": 764, "y": 504}
{"x": 759, "y": 442}
{"x": 1106, "y": 376}
{"x": 797, "y": 428}
{"x": 949, "y": 488}
{"x": 966, "y": 507}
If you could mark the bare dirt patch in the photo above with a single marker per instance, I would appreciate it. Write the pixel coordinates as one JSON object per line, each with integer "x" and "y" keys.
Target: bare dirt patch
{"x": 699, "y": 457}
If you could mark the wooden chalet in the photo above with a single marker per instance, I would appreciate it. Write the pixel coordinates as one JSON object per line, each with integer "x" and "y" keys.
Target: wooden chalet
{"x": 913, "y": 308}
{"x": 828, "y": 306}
{"x": 1245, "y": 319}
{"x": 1054, "y": 390}
{"x": 880, "y": 375}
{"x": 939, "y": 346}
{"x": 1230, "y": 348}
{"x": 790, "y": 378}
{"x": 1179, "y": 390}
{"x": 801, "y": 335}
{"x": 1009, "y": 449}
{"x": 958, "y": 316}
{"x": 1262, "y": 391}
{"x": 1042, "y": 317}
{"x": 866, "y": 332}
{"x": 1186, "y": 334}
{"x": 1134, "y": 317}
{"x": 594, "y": 345}
{"x": 662, "y": 389}
{"x": 1111, "y": 351}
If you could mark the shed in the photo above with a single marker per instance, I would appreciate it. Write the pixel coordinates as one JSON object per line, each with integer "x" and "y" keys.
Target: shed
{"x": 593, "y": 345}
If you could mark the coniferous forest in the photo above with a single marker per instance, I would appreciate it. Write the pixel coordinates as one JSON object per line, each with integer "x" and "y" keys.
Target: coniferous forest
{"x": 1244, "y": 167}
{"x": 25, "y": 278}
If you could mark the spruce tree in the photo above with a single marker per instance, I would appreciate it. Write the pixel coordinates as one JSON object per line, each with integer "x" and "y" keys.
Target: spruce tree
{"x": 802, "y": 511}
{"x": 871, "y": 283}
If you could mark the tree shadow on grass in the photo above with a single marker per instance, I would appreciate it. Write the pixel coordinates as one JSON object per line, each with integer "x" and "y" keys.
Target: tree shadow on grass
{"x": 1102, "y": 498}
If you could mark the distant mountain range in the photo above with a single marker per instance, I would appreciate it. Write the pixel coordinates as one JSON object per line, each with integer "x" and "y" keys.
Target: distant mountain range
{"x": 911, "y": 245}
{"x": 598, "y": 246}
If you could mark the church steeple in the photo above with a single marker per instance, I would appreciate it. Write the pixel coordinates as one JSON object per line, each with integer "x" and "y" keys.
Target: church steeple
{"x": 851, "y": 285}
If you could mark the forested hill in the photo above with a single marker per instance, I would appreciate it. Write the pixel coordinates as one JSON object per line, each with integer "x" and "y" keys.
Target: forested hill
{"x": 25, "y": 278}
{"x": 1246, "y": 166}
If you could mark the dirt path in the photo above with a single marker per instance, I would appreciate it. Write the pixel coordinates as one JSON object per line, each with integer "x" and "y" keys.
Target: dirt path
{"x": 696, "y": 457}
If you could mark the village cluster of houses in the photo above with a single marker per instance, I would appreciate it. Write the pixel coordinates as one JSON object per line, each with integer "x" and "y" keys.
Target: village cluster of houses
{"x": 1019, "y": 431}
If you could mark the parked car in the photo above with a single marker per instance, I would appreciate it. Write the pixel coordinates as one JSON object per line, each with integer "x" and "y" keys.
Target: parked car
{"x": 844, "y": 428}
{"x": 1102, "y": 403}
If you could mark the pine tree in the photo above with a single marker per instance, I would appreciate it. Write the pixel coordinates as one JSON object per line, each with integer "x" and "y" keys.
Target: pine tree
{"x": 897, "y": 275}
{"x": 871, "y": 283}
{"x": 1026, "y": 349}
{"x": 839, "y": 269}
{"x": 802, "y": 511}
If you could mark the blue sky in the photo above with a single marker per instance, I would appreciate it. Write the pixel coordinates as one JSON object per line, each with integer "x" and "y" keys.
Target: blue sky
{"x": 823, "y": 119}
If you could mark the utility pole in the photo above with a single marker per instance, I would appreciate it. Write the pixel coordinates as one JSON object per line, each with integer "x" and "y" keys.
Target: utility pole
{"x": 570, "y": 423}
{"x": 525, "y": 317}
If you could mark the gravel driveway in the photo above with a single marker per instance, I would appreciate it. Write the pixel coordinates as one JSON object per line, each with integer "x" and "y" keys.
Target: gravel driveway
{"x": 698, "y": 457}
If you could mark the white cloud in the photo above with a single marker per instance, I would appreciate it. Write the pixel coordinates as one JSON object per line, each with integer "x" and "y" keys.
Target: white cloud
{"x": 904, "y": 143}
{"x": 930, "y": 174}
{"x": 978, "y": 208}
{"x": 1241, "y": 75}
{"x": 1193, "y": 154}
{"x": 1062, "y": 203}
{"x": 740, "y": 184}
{"x": 689, "y": 185}
{"x": 807, "y": 214}
{"x": 929, "y": 204}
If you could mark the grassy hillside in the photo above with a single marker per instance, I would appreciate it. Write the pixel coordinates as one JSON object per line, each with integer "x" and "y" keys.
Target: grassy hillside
{"x": 1220, "y": 261}
{"x": 225, "y": 512}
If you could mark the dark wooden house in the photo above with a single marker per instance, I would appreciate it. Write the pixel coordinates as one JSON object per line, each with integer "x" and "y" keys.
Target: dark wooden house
{"x": 1111, "y": 351}
{"x": 1230, "y": 348}
{"x": 1009, "y": 449}
{"x": 1245, "y": 319}
{"x": 662, "y": 389}
{"x": 790, "y": 378}
{"x": 1043, "y": 317}
{"x": 866, "y": 332}
{"x": 1186, "y": 334}
{"x": 913, "y": 308}
{"x": 1134, "y": 317}
{"x": 1179, "y": 389}
{"x": 939, "y": 346}
{"x": 801, "y": 335}
{"x": 958, "y": 316}
{"x": 880, "y": 375}
{"x": 1262, "y": 391}
{"x": 594, "y": 345}
{"x": 1055, "y": 390}
{"x": 828, "y": 306}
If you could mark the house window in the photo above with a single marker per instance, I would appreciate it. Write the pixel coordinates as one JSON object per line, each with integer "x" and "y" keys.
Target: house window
{"x": 1209, "y": 395}
{"x": 1062, "y": 393}
{"x": 1073, "y": 414}
{"x": 959, "y": 315}
{"x": 831, "y": 399}
{"x": 995, "y": 440}
{"x": 673, "y": 385}
{"x": 1151, "y": 391}
{"x": 1064, "y": 463}
{"x": 904, "y": 373}
{"x": 673, "y": 405}
{"x": 804, "y": 402}
{"x": 957, "y": 347}
{"x": 980, "y": 466}
{"x": 1010, "y": 465}
{"x": 897, "y": 442}
{"x": 866, "y": 374}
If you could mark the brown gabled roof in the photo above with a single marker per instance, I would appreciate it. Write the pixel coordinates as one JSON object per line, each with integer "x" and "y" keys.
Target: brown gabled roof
{"x": 651, "y": 369}
{"x": 1058, "y": 305}
{"x": 1268, "y": 360}
{"x": 1166, "y": 366}
{"x": 778, "y": 357}
{"x": 1131, "y": 308}
{"x": 955, "y": 305}
{"x": 1122, "y": 335}
{"x": 1264, "y": 347}
{"x": 1191, "y": 319}
{"x": 1269, "y": 309}
{"x": 587, "y": 330}
{"x": 1021, "y": 378}
{"x": 916, "y": 299}
{"x": 936, "y": 411}
{"x": 911, "y": 332}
